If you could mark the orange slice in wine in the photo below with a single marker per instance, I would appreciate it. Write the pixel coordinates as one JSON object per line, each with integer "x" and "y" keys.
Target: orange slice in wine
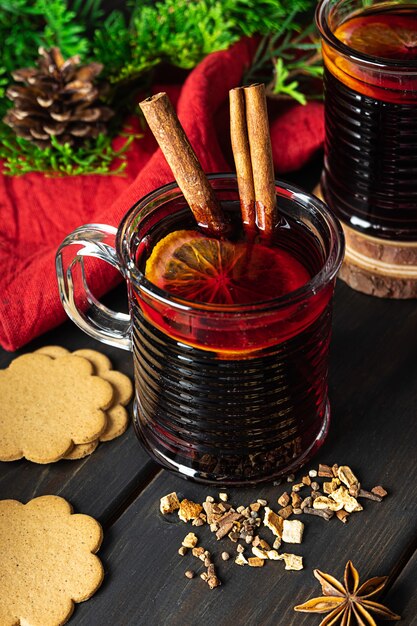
{"x": 207, "y": 270}
{"x": 390, "y": 37}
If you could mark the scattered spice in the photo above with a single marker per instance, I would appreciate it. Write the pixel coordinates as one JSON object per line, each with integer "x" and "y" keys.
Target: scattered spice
{"x": 274, "y": 522}
{"x": 285, "y": 512}
{"x": 284, "y": 499}
{"x": 295, "y": 500}
{"x": 324, "y": 513}
{"x": 349, "y": 503}
{"x": 369, "y": 495}
{"x": 306, "y": 502}
{"x": 277, "y": 543}
{"x": 343, "y": 516}
{"x": 198, "y": 552}
{"x": 325, "y": 471}
{"x": 254, "y": 561}
{"x": 347, "y": 600}
{"x": 379, "y": 491}
{"x": 329, "y": 487}
{"x": 321, "y": 502}
{"x": 292, "y": 561}
{"x": 169, "y": 503}
{"x": 347, "y": 477}
{"x": 273, "y": 555}
{"x": 190, "y": 541}
{"x": 259, "y": 553}
{"x": 189, "y": 510}
{"x": 213, "y": 582}
{"x": 240, "y": 560}
{"x": 292, "y": 531}
{"x": 337, "y": 496}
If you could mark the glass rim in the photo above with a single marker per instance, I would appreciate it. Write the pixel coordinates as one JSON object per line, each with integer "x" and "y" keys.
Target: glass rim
{"x": 375, "y": 61}
{"x": 319, "y": 281}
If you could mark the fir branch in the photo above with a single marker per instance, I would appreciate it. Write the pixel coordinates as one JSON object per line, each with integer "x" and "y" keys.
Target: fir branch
{"x": 262, "y": 16}
{"x": 289, "y": 61}
{"x": 88, "y": 12}
{"x": 112, "y": 44}
{"x": 62, "y": 29}
{"x": 94, "y": 157}
{"x": 27, "y": 24}
{"x": 182, "y": 33}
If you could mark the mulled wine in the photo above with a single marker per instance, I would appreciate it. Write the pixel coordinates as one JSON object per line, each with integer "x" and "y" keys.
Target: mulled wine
{"x": 231, "y": 386}
{"x": 370, "y": 80}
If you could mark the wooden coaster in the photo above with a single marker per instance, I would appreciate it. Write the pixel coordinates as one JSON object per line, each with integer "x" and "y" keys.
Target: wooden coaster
{"x": 378, "y": 267}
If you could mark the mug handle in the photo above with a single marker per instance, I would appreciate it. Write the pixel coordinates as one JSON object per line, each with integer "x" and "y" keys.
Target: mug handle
{"x": 92, "y": 240}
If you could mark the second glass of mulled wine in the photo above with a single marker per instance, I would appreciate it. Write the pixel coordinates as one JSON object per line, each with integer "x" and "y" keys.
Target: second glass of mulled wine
{"x": 370, "y": 79}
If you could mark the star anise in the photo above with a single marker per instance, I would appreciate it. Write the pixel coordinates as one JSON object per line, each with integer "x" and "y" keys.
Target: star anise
{"x": 348, "y": 604}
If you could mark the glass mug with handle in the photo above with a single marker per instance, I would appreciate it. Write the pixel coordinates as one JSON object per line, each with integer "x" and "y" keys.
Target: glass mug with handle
{"x": 231, "y": 393}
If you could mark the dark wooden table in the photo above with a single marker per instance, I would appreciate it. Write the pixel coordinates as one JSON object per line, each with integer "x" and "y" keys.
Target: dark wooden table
{"x": 373, "y": 393}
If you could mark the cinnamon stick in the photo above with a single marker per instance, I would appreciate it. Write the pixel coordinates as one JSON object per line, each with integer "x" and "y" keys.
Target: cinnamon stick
{"x": 261, "y": 157}
{"x": 181, "y": 158}
{"x": 241, "y": 154}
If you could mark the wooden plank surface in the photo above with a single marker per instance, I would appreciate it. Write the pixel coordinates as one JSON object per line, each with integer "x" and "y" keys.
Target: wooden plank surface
{"x": 99, "y": 484}
{"x": 402, "y": 597}
{"x": 373, "y": 393}
{"x": 374, "y": 403}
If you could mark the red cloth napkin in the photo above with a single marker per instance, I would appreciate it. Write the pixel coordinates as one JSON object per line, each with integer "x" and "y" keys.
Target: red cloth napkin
{"x": 38, "y": 212}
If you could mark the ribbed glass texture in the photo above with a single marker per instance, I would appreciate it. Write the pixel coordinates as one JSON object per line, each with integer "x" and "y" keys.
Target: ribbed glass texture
{"x": 370, "y": 174}
{"x": 370, "y": 168}
{"x": 231, "y": 420}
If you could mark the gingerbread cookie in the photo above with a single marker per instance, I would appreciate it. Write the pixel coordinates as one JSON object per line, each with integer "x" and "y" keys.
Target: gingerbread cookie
{"x": 117, "y": 416}
{"x": 53, "y": 351}
{"x": 47, "y": 561}
{"x": 48, "y": 405}
{"x": 81, "y": 450}
{"x": 100, "y": 361}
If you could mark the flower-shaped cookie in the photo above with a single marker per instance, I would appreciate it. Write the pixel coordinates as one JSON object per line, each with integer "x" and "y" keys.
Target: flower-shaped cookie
{"x": 48, "y": 405}
{"x": 47, "y": 561}
{"x": 117, "y": 415}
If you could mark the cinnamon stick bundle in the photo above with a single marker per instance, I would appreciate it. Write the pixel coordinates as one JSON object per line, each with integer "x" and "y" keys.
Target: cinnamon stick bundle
{"x": 187, "y": 171}
{"x": 258, "y": 152}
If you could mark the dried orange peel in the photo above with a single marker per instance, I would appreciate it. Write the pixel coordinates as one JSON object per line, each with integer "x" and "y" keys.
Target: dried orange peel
{"x": 388, "y": 39}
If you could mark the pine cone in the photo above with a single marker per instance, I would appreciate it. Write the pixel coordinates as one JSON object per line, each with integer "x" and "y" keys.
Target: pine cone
{"x": 58, "y": 98}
